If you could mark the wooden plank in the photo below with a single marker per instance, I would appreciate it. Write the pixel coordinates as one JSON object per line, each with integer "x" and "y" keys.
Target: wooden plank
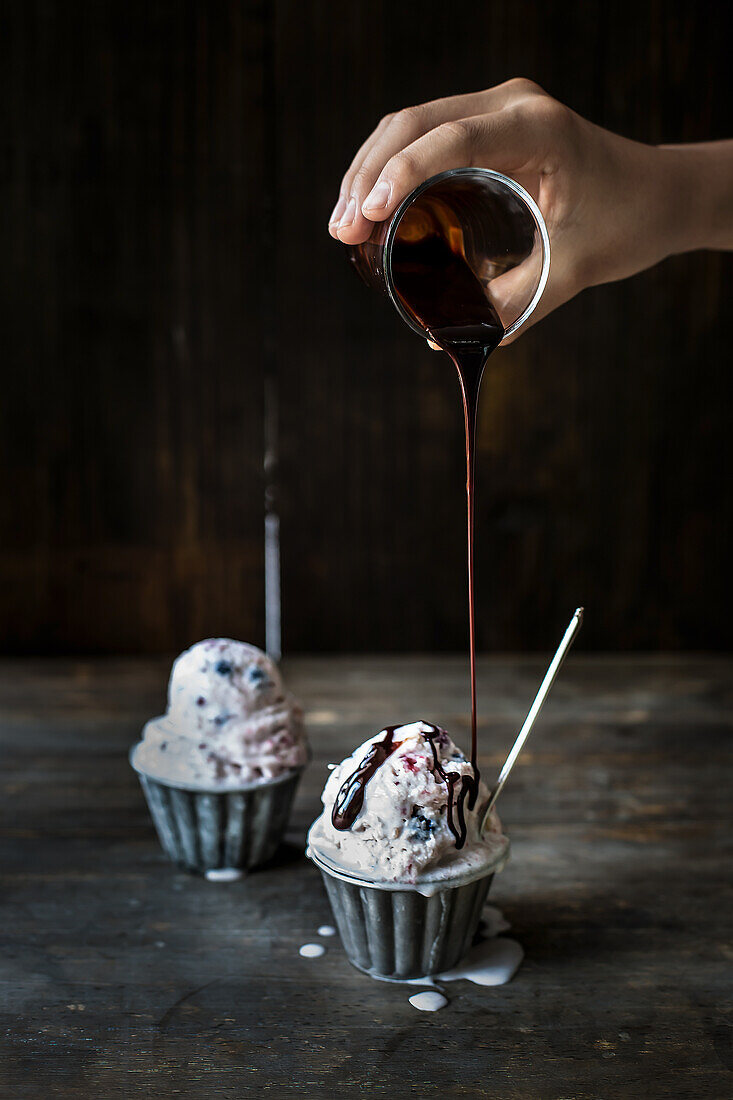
{"x": 602, "y": 432}
{"x": 132, "y": 200}
{"x": 121, "y": 977}
{"x": 166, "y": 176}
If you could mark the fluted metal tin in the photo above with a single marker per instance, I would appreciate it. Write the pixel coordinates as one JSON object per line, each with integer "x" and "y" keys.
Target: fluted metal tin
{"x": 207, "y": 831}
{"x": 399, "y": 930}
{"x": 402, "y": 933}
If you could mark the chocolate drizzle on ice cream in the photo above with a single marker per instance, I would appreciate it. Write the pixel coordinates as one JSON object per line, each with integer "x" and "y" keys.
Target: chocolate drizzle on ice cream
{"x": 391, "y": 814}
{"x": 455, "y": 810}
{"x": 350, "y": 798}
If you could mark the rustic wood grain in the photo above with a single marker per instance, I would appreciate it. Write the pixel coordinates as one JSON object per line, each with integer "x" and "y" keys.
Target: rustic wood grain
{"x": 166, "y": 174}
{"x": 132, "y": 209}
{"x": 122, "y": 977}
{"x": 602, "y": 432}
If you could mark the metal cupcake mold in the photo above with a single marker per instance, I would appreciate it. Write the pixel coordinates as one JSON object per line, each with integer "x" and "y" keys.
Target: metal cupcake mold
{"x": 402, "y": 933}
{"x": 206, "y": 830}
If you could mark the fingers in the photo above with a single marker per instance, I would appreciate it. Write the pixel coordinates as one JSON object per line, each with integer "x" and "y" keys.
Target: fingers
{"x": 512, "y": 292}
{"x": 561, "y": 287}
{"x": 553, "y": 297}
{"x": 345, "y": 191}
{"x": 393, "y": 134}
{"x": 508, "y": 140}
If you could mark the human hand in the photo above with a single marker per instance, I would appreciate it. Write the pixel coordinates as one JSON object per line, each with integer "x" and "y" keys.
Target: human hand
{"x": 612, "y": 206}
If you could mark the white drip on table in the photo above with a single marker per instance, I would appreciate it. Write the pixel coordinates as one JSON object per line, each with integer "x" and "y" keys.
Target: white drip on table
{"x": 493, "y": 961}
{"x": 312, "y": 950}
{"x": 429, "y": 1001}
{"x": 493, "y": 921}
{"x": 223, "y": 874}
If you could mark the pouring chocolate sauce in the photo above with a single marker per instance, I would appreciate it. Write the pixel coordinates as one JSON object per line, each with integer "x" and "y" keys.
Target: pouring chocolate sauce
{"x": 436, "y": 258}
{"x": 436, "y": 284}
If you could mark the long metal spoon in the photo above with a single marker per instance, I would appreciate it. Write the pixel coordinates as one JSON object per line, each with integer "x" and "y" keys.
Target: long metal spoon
{"x": 534, "y": 710}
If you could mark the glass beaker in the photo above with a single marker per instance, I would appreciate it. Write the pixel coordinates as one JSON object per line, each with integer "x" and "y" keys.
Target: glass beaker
{"x": 467, "y": 242}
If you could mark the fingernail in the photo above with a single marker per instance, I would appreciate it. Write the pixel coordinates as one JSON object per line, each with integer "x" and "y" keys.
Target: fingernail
{"x": 378, "y": 197}
{"x": 349, "y": 214}
{"x": 337, "y": 210}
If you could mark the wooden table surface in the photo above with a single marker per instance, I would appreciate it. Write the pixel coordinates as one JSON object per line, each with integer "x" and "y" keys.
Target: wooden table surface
{"x": 122, "y": 977}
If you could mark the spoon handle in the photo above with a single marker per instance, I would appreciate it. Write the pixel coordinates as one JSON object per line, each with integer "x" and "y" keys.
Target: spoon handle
{"x": 534, "y": 710}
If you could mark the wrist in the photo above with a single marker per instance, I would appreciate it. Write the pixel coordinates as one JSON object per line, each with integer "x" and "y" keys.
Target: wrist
{"x": 697, "y": 187}
{"x": 677, "y": 203}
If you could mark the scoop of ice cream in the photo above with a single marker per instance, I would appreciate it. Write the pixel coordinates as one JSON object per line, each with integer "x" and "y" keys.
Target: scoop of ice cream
{"x": 229, "y": 722}
{"x": 402, "y": 830}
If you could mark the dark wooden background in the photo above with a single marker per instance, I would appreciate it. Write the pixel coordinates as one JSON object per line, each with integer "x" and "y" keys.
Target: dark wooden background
{"x": 166, "y": 173}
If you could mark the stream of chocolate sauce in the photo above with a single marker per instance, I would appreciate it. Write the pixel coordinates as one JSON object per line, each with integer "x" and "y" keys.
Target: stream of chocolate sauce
{"x": 439, "y": 288}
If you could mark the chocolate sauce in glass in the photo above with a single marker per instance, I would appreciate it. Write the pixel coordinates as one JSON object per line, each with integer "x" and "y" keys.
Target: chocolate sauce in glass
{"x": 437, "y": 285}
